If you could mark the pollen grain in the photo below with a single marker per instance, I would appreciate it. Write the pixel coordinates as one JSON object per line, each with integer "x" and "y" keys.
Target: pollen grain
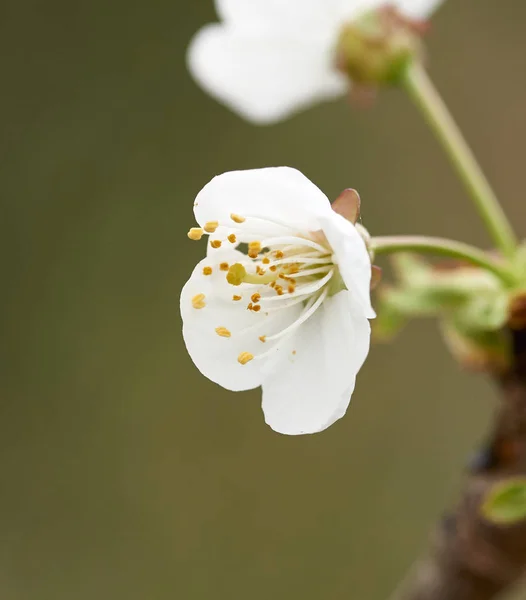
{"x": 223, "y": 332}
{"x": 198, "y": 301}
{"x": 245, "y": 357}
{"x": 211, "y": 226}
{"x": 196, "y": 233}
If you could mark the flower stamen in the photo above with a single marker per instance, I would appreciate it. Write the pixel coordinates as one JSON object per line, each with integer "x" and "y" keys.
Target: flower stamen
{"x": 211, "y": 226}
{"x": 195, "y": 233}
{"x": 223, "y": 332}
{"x": 198, "y": 301}
{"x": 245, "y": 357}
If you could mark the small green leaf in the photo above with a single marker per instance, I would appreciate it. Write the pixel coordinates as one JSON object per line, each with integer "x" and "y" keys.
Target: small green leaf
{"x": 506, "y": 502}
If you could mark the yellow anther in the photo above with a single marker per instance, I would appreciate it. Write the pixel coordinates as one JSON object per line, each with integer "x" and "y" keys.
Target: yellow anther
{"x": 237, "y": 218}
{"x": 294, "y": 269}
{"x": 215, "y": 243}
{"x": 207, "y": 270}
{"x": 291, "y": 289}
{"x": 259, "y": 270}
{"x": 256, "y": 307}
{"x": 237, "y": 298}
{"x": 223, "y": 332}
{"x": 256, "y": 297}
{"x": 263, "y": 338}
{"x": 236, "y": 274}
{"x": 254, "y": 248}
{"x": 232, "y": 238}
{"x": 279, "y": 290}
{"x": 198, "y": 301}
{"x": 250, "y": 306}
{"x": 279, "y": 254}
{"x": 282, "y": 276}
{"x": 245, "y": 357}
{"x": 294, "y": 352}
{"x": 224, "y": 266}
{"x": 266, "y": 260}
{"x": 196, "y": 233}
{"x": 273, "y": 268}
{"x": 211, "y": 226}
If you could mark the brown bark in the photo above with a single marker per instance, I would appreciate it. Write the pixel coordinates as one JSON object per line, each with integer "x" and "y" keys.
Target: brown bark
{"x": 472, "y": 558}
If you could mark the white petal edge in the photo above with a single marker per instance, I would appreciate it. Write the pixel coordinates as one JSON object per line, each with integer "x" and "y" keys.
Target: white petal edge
{"x": 353, "y": 259}
{"x": 303, "y": 17}
{"x": 311, "y": 389}
{"x": 281, "y": 193}
{"x": 418, "y": 9}
{"x": 264, "y": 78}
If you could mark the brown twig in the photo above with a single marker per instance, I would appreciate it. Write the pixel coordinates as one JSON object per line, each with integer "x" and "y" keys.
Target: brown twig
{"x": 472, "y": 558}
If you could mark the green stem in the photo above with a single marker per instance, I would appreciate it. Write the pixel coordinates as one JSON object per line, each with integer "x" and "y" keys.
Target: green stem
{"x": 442, "y": 247}
{"x": 426, "y": 97}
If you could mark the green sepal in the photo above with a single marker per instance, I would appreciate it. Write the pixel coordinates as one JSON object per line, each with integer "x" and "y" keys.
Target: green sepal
{"x": 505, "y": 504}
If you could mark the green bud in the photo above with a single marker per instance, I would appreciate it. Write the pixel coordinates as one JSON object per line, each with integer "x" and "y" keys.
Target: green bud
{"x": 484, "y": 351}
{"x": 471, "y": 304}
{"x": 377, "y": 48}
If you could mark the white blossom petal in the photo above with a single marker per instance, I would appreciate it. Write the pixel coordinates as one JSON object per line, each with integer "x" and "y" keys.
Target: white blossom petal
{"x": 271, "y": 308}
{"x": 312, "y": 17}
{"x": 417, "y": 9}
{"x": 352, "y": 258}
{"x": 276, "y": 193}
{"x": 216, "y": 356}
{"x": 264, "y": 77}
{"x": 311, "y": 389}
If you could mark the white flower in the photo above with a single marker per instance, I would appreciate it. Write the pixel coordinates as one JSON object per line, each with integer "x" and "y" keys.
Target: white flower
{"x": 270, "y": 58}
{"x": 291, "y": 312}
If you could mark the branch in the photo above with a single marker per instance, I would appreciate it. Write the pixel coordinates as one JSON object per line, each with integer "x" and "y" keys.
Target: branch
{"x": 471, "y": 558}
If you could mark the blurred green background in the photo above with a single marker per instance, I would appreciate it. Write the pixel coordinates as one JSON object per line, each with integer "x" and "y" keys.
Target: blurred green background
{"x": 125, "y": 474}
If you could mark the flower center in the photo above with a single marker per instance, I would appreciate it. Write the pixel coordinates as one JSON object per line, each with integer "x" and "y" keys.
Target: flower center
{"x": 281, "y": 269}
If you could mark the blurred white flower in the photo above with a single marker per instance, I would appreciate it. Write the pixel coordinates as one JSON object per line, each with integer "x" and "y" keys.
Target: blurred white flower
{"x": 290, "y": 312}
{"x": 270, "y": 58}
